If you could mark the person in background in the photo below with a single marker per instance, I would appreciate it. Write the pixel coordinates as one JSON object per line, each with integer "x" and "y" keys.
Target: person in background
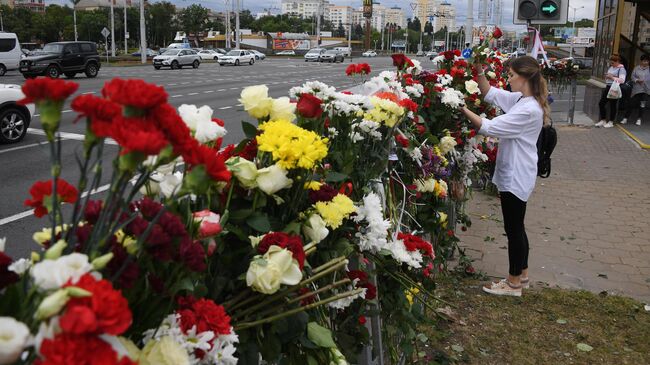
{"x": 615, "y": 72}
{"x": 640, "y": 90}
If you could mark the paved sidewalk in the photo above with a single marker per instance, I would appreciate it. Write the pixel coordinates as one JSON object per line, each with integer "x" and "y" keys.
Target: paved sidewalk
{"x": 588, "y": 224}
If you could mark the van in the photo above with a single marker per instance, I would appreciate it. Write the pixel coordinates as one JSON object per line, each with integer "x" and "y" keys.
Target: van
{"x": 10, "y": 52}
{"x": 344, "y": 50}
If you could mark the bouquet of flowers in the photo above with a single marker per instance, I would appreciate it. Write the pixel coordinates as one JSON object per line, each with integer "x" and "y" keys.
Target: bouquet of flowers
{"x": 560, "y": 74}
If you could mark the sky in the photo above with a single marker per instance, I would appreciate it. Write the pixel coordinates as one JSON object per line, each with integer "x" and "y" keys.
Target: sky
{"x": 588, "y": 10}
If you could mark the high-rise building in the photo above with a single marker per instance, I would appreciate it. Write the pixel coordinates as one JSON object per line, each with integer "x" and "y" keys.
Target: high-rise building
{"x": 446, "y": 16}
{"x": 33, "y": 5}
{"x": 98, "y": 4}
{"x": 396, "y": 15}
{"x": 306, "y": 8}
{"x": 340, "y": 15}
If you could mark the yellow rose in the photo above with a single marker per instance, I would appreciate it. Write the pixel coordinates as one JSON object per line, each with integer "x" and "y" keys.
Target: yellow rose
{"x": 272, "y": 179}
{"x": 472, "y": 87}
{"x": 256, "y": 101}
{"x": 315, "y": 228}
{"x": 163, "y": 352}
{"x": 442, "y": 219}
{"x": 277, "y": 266}
{"x": 283, "y": 108}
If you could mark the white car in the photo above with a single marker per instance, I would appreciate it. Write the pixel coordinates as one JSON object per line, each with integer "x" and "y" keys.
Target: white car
{"x": 258, "y": 55}
{"x": 209, "y": 54}
{"x": 314, "y": 54}
{"x": 14, "y": 118}
{"x": 369, "y": 54}
{"x": 177, "y": 58}
{"x": 237, "y": 57}
{"x": 286, "y": 53}
{"x": 10, "y": 52}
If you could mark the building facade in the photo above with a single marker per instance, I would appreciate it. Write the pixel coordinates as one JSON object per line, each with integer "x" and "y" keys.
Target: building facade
{"x": 340, "y": 15}
{"x": 33, "y": 5}
{"x": 98, "y": 4}
{"x": 306, "y": 8}
{"x": 396, "y": 15}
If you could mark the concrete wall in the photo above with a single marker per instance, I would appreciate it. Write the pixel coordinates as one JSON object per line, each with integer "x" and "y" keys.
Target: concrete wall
{"x": 593, "y": 89}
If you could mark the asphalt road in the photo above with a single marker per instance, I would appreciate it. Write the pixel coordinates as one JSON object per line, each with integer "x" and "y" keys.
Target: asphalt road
{"x": 219, "y": 87}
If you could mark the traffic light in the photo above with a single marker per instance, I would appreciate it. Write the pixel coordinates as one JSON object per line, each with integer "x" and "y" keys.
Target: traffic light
{"x": 540, "y": 11}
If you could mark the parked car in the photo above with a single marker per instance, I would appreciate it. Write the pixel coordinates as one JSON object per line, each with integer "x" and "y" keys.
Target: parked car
{"x": 286, "y": 53}
{"x": 346, "y": 51}
{"x": 209, "y": 54}
{"x": 10, "y": 52}
{"x": 258, "y": 55}
{"x": 177, "y": 58}
{"x": 237, "y": 57}
{"x": 68, "y": 58}
{"x": 521, "y": 51}
{"x": 432, "y": 54}
{"x": 419, "y": 54}
{"x": 314, "y": 54}
{"x": 150, "y": 53}
{"x": 369, "y": 53}
{"x": 332, "y": 55}
{"x": 14, "y": 118}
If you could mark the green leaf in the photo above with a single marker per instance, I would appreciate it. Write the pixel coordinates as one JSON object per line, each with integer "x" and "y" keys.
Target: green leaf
{"x": 335, "y": 177}
{"x": 320, "y": 335}
{"x": 259, "y": 222}
{"x": 185, "y": 284}
{"x": 311, "y": 360}
{"x": 249, "y": 130}
{"x": 584, "y": 347}
{"x": 240, "y": 214}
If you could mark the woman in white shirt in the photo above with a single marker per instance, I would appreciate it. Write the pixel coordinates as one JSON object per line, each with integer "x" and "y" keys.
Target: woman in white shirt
{"x": 615, "y": 72}
{"x": 526, "y": 110}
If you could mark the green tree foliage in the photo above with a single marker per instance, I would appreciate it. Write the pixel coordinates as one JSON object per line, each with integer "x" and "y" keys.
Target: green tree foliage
{"x": 194, "y": 19}
{"x": 161, "y": 23}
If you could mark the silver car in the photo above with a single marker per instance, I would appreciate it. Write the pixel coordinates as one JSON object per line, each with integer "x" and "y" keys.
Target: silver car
{"x": 237, "y": 57}
{"x": 332, "y": 55}
{"x": 177, "y": 58}
{"x": 314, "y": 54}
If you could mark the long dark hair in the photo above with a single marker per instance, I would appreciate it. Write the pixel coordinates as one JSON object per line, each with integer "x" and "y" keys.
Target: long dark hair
{"x": 529, "y": 69}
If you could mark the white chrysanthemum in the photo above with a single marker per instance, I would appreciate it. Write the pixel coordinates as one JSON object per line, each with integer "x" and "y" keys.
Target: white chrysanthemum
{"x": 373, "y": 236}
{"x": 452, "y": 97}
{"x": 399, "y": 253}
{"x": 416, "y": 155}
{"x": 345, "y": 302}
{"x": 317, "y": 88}
{"x": 445, "y": 79}
{"x": 438, "y": 59}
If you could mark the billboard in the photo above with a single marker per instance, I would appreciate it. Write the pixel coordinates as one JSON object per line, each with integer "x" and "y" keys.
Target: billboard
{"x": 291, "y": 44}
{"x": 367, "y": 8}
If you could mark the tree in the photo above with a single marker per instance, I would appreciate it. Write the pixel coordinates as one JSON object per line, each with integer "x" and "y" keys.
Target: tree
{"x": 90, "y": 24}
{"x": 357, "y": 31}
{"x": 194, "y": 19}
{"x": 416, "y": 25}
{"x": 340, "y": 31}
{"x": 246, "y": 19}
{"x": 428, "y": 28}
{"x": 161, "y": 23}
{"x": 55, "y": 24}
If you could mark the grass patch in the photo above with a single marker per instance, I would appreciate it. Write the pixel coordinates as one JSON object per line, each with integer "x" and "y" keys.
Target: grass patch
{"x": 544, "y": 326}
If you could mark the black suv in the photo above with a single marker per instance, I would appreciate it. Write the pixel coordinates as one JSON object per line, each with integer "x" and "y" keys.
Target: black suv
{"x": 68, "y": 58}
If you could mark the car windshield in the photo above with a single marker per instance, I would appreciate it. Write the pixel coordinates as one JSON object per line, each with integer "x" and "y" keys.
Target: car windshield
{"x": 52, "y": 48}
{"x": 232, "y": 53}
{"x": 314, "y": 51}
{"x": 171, "y": 52}
{"x": 331, "y": 52}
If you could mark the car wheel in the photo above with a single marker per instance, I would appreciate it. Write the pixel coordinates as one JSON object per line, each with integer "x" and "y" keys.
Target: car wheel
{"x": 13, "y": 125}
{"x": 175, "y": 65}
{"x": 91, "y": 70}
{"x": 221, "y": 64}
{"x": 157, "y": 67}
{"x": 236, "y": 62}
{"x": 215, "y": 58}
{"x": 70, "y": 75}
{"x": 251, "y": 62}
{"x": 195, "y": 64}
{"x": 53, "y": 72}
{"x": 3, "y": 70}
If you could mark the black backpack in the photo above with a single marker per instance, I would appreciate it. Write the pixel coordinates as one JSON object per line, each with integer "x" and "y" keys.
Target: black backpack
{"x": 545, "y": 145}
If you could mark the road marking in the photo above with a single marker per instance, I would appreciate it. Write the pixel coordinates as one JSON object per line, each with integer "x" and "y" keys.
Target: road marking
{"x": 234, "y": 88}
{"x": 89, "y": 92}
{"x": 22, "y": 147}
{"x": 172, "y": 84}
{"x": 67, "y": 111}
{"x": 176, "y": 96}
{"x": 225, "y": 107}
{"x": 221, "y": 90}
{"x": 192, "y": 94}
{"x": 208, "y": 91}
{"x": 66, "y": 135}
{"x": 239, "y": 105}
{"x": 185, "y": 83}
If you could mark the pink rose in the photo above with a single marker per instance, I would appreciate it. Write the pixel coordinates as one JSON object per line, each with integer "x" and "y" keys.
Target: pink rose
{"x": 209, "y": 223}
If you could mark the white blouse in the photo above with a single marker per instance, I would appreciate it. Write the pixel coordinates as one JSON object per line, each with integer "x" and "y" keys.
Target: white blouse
{"x": 518, "y": 130}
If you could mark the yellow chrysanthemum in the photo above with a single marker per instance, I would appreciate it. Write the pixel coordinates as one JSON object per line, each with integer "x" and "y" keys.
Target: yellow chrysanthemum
{"x": 291, "y": 146}
{"x": 443, "y": 159}
{"x": 384, "y": 111}
{"x": 410, "y": 294}
{"x": 313, "y": 185}
{"x": 46, "y": 234}
{"x": 128, "y": 242}
{"x": 333, "y": 212}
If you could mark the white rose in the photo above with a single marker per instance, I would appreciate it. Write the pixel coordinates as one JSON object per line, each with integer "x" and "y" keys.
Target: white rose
{"x": 52, "y": 274}
{"x": 315, "y": 228}
{"x": 277, "y": 266}
{"x": 20, "y": 266}
{"x": 425, "y": 186}
{"x": 491, "y": 74}
{"x": 283, "y": 108}
{"x": 447, "y": 144}
{"x": 245, "y": 171}
{"x": 14, "y": 336}
{"x": 256, "y": 101}
{"x": 192, "y": 115}
{"x": 209, "y": 131}
{"x": 165, "y": 351}
{"x": 472, "y": 87}
{"x": 272, "y": 179}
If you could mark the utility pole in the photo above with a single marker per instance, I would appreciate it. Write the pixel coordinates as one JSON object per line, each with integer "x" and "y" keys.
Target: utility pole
{"x": 126, "y": 33}
{"x": 143, "y": 35}
{"x": 113, "y": 27}
{"x": 469, "y": 37}
{"x": 228, "y": 31}
{"x": 74, "y": 20}
{"x": 237, "y": 36}
{"x": 318, "y": 15}
{"x": 573, "y": 39}
{"x": 350, "y": 38}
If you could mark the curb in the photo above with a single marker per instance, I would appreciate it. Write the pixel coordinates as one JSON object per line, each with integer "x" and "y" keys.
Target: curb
{"x": 635, "y": 138}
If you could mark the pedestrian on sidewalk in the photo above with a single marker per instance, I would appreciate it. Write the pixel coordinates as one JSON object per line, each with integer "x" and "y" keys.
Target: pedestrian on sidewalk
{"x": 526, "y": 110}
{"x": 640, "y": 90}
{"x": 615, "y": 72}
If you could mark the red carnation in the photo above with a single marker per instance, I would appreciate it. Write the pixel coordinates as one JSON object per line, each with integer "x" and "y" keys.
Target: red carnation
{"x": 449, "y": 55}
{"x": 6, "y": 277}
{"x": 401, "y": 61}
{"x": 100, "y": 111}
{"x": 351, "y": 69}
{"x": 401, "y": 140}
{"x": 409, "y": 104}
{"x": 135, "y": 93}
{"x": 362, "y": 320}
{"x": 363, "y": 68}
{"x": 309, "y": 106}
{"x": 41, "y": 190}
{"x": 325, "y": 194}
{"x": 497, "y": 33}
{"x": 67, "y": 349}
{"x": 193, "y": 255}
{"x": 415, "y": 243}
{"x": 105, "y": 311}
{"x": 138, "y": 135}
{"x": 205, "y": 314}
{"x": 45, "y": 88}
{"x": 292, "y": 243}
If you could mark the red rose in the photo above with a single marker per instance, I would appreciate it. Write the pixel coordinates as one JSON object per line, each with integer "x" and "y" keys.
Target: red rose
{"x": 497, "y": 33}
{"x": 362, "y": 320}
{"x": 67, "y": 349}
{"x": 205, "y": 314}
{"x": 309, "y": 106}
{"x": 65, "y": 192}
{"x": 401, "y": 61}
{"x": 292, "y": 243}
{"x": 45, "y": 88}
{"x": 134, "y": 93}
{"x": 6, "y": 277}
{"x": 401, "y": 140}
{"x": 110, "y": 309}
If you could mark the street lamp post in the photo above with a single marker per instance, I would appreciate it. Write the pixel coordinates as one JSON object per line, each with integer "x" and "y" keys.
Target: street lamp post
{"x": 126, "y": 32}
{"x": 573, "y": 39}
{"x": 143, "y": 35}
{"x": 113, "y": 28}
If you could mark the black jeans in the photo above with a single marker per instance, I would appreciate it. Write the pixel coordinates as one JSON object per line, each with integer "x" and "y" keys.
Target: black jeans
{"x": 514, "y": 212}
{"x": 635, "y": 104}
{"x": 613, "y": 105}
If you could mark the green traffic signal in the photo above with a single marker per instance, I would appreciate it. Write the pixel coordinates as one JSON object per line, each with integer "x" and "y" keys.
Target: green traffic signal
{"x": 549, "y": 8}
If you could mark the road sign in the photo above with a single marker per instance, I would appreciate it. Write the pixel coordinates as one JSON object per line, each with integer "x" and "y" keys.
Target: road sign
{"x": 106, "y": 32}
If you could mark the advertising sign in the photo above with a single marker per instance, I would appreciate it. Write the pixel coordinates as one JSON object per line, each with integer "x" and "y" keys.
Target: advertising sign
{"x": 291, "y": 44}
{"x": 367, "y": 8}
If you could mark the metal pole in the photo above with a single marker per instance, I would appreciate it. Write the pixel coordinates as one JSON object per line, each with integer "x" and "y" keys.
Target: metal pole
{"x": 143, "y": 35}
{"x": 350, "y": 39}
{"x": 318, "y": 12}
{"x": 74, "y": 19}
{"x": 113, "y": 27}
{"x": 126, "y": 32}
{"x": 469, "y": 23}
{"x": 227, "y": 25}
{"x": 574, "y": 88}
{"x": 237, "y": 35}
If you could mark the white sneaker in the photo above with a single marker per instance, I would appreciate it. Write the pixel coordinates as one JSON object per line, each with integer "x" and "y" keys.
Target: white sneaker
{"x": 638, "y": 122}
{"x": 503, "y": 287}
{"x": 600, "y": 124}
{"x": 609, "y": 124}
{"x": 624, "y": 121}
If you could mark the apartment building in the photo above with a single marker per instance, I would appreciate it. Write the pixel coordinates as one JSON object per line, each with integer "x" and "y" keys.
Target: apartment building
{"x": 306, "y": 8}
